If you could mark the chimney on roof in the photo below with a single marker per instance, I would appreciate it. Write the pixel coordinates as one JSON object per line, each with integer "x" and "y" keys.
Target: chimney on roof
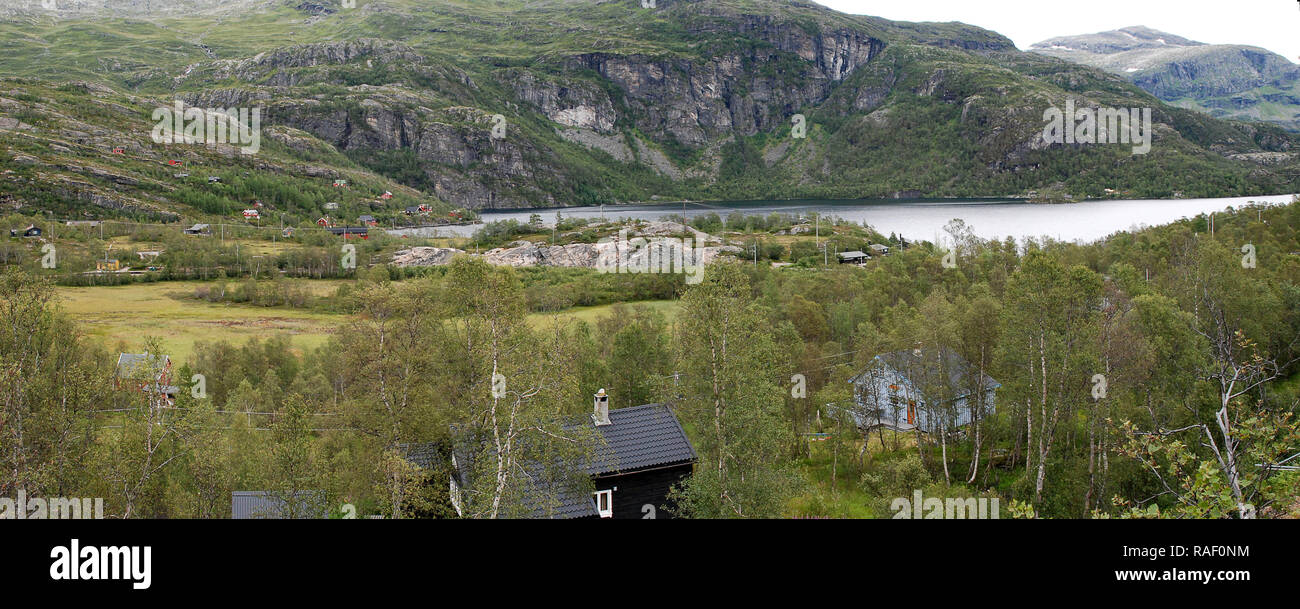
{"x": 601, "y": 414}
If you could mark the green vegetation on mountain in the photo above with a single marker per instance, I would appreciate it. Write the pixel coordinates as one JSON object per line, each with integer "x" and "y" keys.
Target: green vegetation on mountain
{"x": 1223, "y": 80}
{"x": 602, "y": 101}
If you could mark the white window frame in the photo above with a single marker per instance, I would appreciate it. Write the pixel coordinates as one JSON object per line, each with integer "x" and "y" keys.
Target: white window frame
{"x": 608, "y": 496}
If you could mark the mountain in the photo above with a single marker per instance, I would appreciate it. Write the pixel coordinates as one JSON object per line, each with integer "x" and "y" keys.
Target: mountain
{"x": 513, "y": 103}
{"x": 1224, "y": 80}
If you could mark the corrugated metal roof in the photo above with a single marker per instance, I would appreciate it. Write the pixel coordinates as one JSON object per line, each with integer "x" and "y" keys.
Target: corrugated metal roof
{"x": 135, "y": 365}
{"x": 262, "y": 505}
{"x": 928, "y": 369}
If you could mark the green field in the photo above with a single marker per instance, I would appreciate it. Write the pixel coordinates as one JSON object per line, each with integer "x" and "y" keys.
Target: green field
{"x": 131, "y": 313}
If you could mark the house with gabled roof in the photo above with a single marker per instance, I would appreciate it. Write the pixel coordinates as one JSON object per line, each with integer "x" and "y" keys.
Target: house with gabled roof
{"x": 640, "y": 454}
{"x": 920, "y": 389}
{"x": 145, "y": 372}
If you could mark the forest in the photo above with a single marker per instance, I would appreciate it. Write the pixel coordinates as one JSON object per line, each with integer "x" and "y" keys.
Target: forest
{"x": 1152, "y": 374}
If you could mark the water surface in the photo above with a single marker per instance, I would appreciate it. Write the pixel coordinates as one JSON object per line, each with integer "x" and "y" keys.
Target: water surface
{"x": 920, "y": 219}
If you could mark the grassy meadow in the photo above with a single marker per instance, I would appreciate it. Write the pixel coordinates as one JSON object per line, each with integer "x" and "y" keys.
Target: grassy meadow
{"x": 130, "y": 313}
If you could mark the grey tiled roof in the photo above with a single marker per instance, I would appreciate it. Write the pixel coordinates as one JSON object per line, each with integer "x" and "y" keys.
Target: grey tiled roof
{"x": 636, "y": 438}
{"x": 640, "y": 437}
{"x": 423, "y": 454}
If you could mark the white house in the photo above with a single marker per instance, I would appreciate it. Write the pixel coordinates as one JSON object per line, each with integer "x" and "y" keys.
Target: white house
{"x": 925, "y": 390}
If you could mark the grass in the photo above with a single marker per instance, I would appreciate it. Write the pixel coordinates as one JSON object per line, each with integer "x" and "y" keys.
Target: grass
{"x": 590, "y": 315}
{"x": 846, "y": 499}
{"x": 130, "y": 313}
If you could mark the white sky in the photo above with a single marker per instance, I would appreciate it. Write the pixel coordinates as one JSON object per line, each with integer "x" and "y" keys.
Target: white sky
{"x": 1271, "y": 24}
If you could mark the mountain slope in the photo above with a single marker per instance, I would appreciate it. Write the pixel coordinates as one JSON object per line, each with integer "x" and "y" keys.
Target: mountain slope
{"x": 605, "y": 101}
{"x": 83, "y": 151}
{"x": 1226, "y": 81}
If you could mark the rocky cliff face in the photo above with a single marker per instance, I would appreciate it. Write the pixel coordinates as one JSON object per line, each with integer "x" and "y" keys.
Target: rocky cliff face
{"x": 742, "y": 92}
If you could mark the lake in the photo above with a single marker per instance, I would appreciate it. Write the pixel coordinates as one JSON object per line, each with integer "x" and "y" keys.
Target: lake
{"x": 919, "y": 219}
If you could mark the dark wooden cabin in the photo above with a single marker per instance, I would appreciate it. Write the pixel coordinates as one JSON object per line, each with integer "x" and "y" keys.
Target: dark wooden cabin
{"x": 642, "y": 453}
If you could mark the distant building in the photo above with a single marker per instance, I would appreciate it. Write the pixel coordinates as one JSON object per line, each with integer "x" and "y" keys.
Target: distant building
{"x": 368, "y": 220}
{"x": 331, "y": 206}
{"x": 252, "y": 214}
{"x": 853, "y": 257}
{"x": 925, "y": 390}
{"x": 879, "y": 250}
{"x": 264, "y": 505}
{"x": 31, "y": 231}
{"x": 108, "y": 266}
{"x": 386, "y": 196}
{"x": 350, "y": 232}
{"x": 199, "y": 229}
{"x": 149, "y": 254}
{"x": 145, "y": 373}
{"x": 340, "y": 183}
{"x": 214, "y": 179}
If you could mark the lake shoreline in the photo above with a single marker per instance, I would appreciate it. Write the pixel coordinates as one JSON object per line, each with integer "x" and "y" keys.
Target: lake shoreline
{"x": 923, "y": 219}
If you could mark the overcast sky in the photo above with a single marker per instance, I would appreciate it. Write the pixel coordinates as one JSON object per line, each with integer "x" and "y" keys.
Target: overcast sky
{"x": 1272, "y": 24}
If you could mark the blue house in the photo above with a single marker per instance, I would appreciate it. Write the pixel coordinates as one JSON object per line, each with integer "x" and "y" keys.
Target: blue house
{"x": 923, "y": 390}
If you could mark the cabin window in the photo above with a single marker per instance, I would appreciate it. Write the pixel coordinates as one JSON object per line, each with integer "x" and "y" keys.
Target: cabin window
{"x": 605, "y": 503}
